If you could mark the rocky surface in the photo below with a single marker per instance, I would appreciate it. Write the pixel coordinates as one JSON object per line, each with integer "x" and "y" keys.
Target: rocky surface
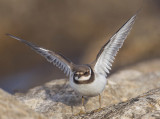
{"x": 145, "y": 106}
{"x": 56, "y": 99}
{"x": 10, "y": 108}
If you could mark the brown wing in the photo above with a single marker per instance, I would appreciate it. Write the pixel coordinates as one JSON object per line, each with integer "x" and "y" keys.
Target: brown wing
{"x": 57, "y": 59}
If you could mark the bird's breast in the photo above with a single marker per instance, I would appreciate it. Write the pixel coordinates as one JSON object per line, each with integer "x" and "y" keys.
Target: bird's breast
{"x": 93, "y": 88}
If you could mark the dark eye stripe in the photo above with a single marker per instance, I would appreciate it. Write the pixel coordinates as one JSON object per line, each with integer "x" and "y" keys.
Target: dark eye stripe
{"x": 86, "y": 73}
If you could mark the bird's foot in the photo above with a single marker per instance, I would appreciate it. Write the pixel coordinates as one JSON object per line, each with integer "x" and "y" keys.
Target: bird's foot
{"x": 80, "y": 113}
{"x": 98, "y": 110}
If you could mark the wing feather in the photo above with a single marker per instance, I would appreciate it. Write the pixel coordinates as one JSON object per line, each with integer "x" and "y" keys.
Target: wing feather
{"x": 108, "y": 52}
{"x": 57, "y": 59}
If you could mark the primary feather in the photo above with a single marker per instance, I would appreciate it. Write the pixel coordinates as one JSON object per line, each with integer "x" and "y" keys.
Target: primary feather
{"x": 107, "y": 53}
{"x": 58, "y": 60}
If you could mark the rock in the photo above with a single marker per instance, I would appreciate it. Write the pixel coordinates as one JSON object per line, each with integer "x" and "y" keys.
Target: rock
{"x": 145, "y": 106}
{"x": 147, "y": 66}
{"x": 56, "y": 99}
{"x": 10, "y": 108}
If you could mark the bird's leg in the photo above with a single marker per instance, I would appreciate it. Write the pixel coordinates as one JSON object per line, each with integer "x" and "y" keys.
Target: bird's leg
{"x": 99, "y": 101}
{"x": 82, "y": 105}
{"x": 99, "y": 109}
{"x": 82, "y": 110}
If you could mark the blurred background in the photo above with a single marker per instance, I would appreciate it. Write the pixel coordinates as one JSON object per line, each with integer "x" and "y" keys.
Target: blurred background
{"x": 76, "y": 29}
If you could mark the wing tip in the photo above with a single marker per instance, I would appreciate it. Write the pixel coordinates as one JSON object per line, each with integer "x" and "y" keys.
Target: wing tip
{"x": 14, "y": 37}
{"x": 7, "y": 34}
{"x": 135, "y": 15}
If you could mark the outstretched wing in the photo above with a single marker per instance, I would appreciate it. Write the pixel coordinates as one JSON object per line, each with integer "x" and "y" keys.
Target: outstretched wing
{"x": 58, "y": 60}
{"x": 107, "y": 53}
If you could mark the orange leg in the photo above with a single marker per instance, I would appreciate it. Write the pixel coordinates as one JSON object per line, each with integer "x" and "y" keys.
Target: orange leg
{"x": 99, "y": 109}
{"x": 100, "y": 101}
{"x": 81, "y": 111}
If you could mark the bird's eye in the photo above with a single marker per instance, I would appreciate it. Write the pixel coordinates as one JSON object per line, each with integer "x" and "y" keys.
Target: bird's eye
{"x": 86, "y": 73}
{"x": 76, "y": 74}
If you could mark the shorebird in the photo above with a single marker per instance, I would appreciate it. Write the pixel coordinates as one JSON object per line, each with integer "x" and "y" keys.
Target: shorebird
{"x": 87, "y": 79}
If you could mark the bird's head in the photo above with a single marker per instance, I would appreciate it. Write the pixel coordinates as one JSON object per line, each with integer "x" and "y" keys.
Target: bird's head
{"x": 82, "y": 73}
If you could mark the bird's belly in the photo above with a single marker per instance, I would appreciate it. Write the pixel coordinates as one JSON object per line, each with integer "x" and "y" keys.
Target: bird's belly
{"x": 92, "y": 89}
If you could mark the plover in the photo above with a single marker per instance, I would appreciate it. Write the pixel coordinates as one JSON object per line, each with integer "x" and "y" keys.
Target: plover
{"x": 87, "y": 79}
